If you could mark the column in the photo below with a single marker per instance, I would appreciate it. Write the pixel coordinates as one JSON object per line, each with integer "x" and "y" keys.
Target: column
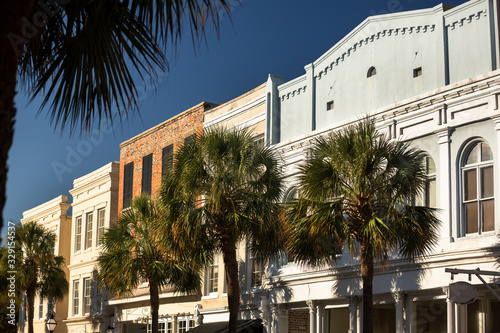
{"x": 282, "y": 319}
{"x": 312, "y": 315}
{"x": 319, "y": 317}
{"x": 353, "y": 313}
{"x": 399, "y": 299}
{"x": 273, "y": 320}
{"x": 450, "y": 313}
{"x": 264, "y": 313}
{"x": 444, "y": 184}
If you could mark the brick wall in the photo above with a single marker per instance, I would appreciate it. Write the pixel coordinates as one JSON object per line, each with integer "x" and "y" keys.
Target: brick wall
{"x": 298, "y": 321}
{"x": 152, "y": 141}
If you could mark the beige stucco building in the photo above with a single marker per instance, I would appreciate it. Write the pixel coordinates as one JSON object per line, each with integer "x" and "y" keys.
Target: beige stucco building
{"x": 95, "y": 198}
{"x": 53, "y": 215}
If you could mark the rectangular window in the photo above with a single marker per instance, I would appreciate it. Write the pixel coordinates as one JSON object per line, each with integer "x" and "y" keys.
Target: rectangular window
{"x": 182, "y": 328}
{"x": 163, "y": 326}
{"x": 147, "y": 173}
{"x": 87, "y": 301}
{"x": 40, "y": 309}
{"x": 128, "y": 177}
{"x": 213, "y": 279}
{"x": 78, "y": 234}
{"x": 76, "y": 297}
{"x": 189, "y": 139}
{"x": 417, "y": 72}
{"x": 471, "y": 217}
{"x": 329, "y": 106}
{"x": 101, "y": 218}
{"x": 98, "y": 300}
{"x": 256, "y": 272}
{"x": 167, "y": 159}
{"x": 89, "y": 219}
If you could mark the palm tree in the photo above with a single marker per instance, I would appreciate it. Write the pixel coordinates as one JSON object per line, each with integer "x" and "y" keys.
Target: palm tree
{"x": 223, "y": 189}
{"x": 40, "y": 270}
{"x": 85, "y": 56}
{"x": 131, "y": 255}
{"x": 357, "y": 188}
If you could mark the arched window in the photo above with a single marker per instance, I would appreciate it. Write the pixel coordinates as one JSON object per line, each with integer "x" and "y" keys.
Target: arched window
{"x": 371, "y": 72}
{"x": 291, "y": 194}
{"x": 478, "y": 204}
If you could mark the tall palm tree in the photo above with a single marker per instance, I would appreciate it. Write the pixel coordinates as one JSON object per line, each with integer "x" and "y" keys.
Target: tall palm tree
{"x": 131, "y": 255}
{"x": 85, "y": 56}
{"x": 357, "y": 188}
{"x": 223, "y": 189}
{"x": 40, "y": 271}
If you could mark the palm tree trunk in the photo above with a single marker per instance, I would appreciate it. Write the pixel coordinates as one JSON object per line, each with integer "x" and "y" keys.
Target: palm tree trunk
{"x": 30, "y": 297}
{"x": 367, "y": 277}
{"x": 10, "y": 29}
{"x": 155, "y": 305}
{"x": 233, "y": 283}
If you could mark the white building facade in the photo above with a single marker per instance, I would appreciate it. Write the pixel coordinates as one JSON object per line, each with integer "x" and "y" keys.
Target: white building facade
{"x": 430, "y": 77}
{"x": 95, "y": 200}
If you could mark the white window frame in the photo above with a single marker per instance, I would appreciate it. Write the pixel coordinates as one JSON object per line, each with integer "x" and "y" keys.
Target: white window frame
{"x": 212, "y": 283}
{"x": 87, "y": 295}
{"x": 254, "y": 263}
{"x": 89, "y": 224}
{"x": 188, "y": 323}
{"x": 478, "y": 167}
{"x": 40, "y": 308}
{"x": 101, "y": 222}
{"x": 78, "y": 233}
{"x": 76, "y": 297}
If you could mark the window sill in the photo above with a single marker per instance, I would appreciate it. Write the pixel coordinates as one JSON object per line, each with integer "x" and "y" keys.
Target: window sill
{"x": 211, "y": 296}
{"x": 253, "y": 290}
{"x": 477, "y": 235}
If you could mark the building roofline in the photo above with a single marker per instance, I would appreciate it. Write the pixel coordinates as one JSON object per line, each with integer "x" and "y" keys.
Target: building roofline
{"x": 167, "y": 122}
{"x": 221, "y": 105}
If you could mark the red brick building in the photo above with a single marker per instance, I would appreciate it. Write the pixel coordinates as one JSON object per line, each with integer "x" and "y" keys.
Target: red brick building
{"x": 145, "y": 157}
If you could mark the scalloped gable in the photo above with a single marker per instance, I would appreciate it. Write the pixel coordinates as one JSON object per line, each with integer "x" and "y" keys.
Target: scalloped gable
{"x": 411, "y": 53}
{"x": 373, "y": 28}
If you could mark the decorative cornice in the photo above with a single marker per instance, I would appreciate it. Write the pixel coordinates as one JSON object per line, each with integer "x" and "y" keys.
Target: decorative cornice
{"x": 294, "y": 92}
{"x": 374, "y": 37}
{"x": 467, "y": 19}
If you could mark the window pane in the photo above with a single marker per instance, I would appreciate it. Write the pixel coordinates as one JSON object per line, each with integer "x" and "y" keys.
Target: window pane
{"x": 471, "y": 218}
{"x": 147, "y": 173}
{"x": 473, "y": 155}
{"x": 470, "y": 185}
{"x": 488, "y": 211}
{"x": 128, "y": 178}
{"x": 430, "y": 166}
{"x": 78, "y": 234}
{"x": 487, "y": 182}
{"x": 430, "y": 193}
{"x": 87, "y": 288}
{"x": 76, "y": 297}
{"x": 486, "y": 154}
{"x": 101, "y": 214}
{"x": 89, "y": 226}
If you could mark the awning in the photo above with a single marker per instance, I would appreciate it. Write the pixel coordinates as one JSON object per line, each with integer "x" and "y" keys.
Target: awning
{"x": 244, "y": 326}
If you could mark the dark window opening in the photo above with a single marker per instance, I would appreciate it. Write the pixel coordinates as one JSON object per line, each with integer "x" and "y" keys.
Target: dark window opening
{"x": 371, "y": 72}
{"x": 167, "y": 159}
{"x": 190, "y": 138}
{"x": 329, "y": 106}
{"x": 417, "y": 72}
{"x": 147, "y": 173}
{"x": 128, "y": 177}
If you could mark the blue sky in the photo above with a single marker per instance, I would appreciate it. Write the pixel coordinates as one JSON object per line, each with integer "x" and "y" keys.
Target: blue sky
{"x": 264, "y": 37}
